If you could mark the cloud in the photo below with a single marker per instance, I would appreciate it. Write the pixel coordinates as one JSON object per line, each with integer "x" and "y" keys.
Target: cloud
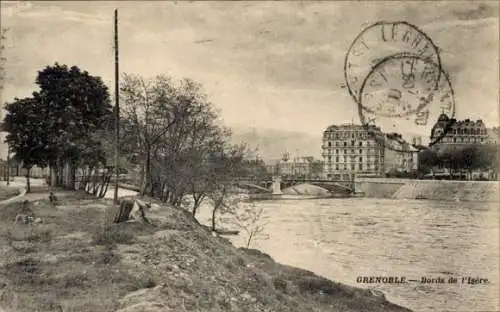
{"x": 278, "y": 63}
{"x": 481, "y": 11}
{"x": 42, "y": 12}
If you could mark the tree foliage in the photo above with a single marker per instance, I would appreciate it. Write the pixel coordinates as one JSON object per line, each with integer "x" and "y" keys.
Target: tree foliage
{"x": 458, "y": 158}
{"x": 174, "y": 133}
{"x": 153, "y": 112}
{"x": 75, "y": 105}
{"x": 29, "y": 144}
{"x": 57, "y": 125}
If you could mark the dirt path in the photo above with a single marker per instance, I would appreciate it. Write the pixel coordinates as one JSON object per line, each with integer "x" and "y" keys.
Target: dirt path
{"x": 41, "y": 191}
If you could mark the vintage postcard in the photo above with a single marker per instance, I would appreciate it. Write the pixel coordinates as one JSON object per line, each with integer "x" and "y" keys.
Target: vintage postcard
{"x": 273, "y": 156}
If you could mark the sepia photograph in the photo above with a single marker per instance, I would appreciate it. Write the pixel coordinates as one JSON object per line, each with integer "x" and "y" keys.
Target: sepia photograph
{"x": 250, "y": 156}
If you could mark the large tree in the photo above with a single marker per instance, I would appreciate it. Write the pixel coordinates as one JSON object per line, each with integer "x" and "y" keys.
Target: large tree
{"x": 76, "y": 105}
{"x": 69, "y": 108}
{"x": 162, "y": 123}
{"x": 427, "y": 159}
{"x": 150, "y": 110}
{"x": 26, "y": 138}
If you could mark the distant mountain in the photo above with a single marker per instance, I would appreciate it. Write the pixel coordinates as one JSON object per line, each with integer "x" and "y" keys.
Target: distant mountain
{"x": 272, "y": 143}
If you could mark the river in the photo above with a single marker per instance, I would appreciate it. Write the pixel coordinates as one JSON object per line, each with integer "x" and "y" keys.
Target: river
{"x": 342, "y": 239}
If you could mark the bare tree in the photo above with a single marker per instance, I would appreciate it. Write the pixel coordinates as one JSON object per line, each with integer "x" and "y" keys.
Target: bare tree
{"x": 149, "y": 111}
{"x": 247, "y": 217}
{"x": 158, "y": 121}
{"x": 223, "y": 167}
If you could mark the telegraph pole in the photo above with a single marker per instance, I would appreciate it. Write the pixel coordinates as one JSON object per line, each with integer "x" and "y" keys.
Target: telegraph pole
{"x": 117, "y": 111}
{"x": 8, "y": 164}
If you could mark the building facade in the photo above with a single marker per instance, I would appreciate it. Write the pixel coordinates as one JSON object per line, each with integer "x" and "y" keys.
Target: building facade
{"x": 349, "y": 149}
{"x": 399, "y": 155}
{"x": 493, "y": 135}
{"x": 296, "y": 166}
{"x": 448, "y": 132}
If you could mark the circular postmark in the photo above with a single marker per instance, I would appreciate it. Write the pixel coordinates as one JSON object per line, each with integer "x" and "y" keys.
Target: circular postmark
{"x": 403, "y": 97}
{"x": 381, "y": 40}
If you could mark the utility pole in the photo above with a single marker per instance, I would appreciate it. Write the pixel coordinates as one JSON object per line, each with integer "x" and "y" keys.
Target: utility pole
{"x": 117, "y": 111}
{"x": 8, "y": 164}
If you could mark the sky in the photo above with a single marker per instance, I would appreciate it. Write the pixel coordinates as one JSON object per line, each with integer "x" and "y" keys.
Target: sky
{"x": 263, "y": 64}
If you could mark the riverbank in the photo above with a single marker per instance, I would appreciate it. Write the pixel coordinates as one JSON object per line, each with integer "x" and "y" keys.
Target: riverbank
{"x": 440, "y": 190}
{"x": 69, "y": 263}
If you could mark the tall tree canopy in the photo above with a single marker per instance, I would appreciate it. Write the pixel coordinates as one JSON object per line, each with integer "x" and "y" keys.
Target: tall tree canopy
{"x": 58, "y": 123}
{"x": 76, "y": 105}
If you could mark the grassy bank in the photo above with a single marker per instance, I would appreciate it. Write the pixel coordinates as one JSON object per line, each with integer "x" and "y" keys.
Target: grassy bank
{"x": 7, "y": 192}
{"x": 69, "y": 263}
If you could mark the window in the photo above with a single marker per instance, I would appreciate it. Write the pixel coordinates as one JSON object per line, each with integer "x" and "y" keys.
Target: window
{"x": 353, "y": 167}
{"x": 360, "y": 167}
{"x": 454, "y": 140}
{"x": 361, "y": 151}
{"x": 345, "y": 151}
{"x": 337, "y": 159}
{"x": 336, "y": 167}
{"x": 360, "y": 143}
{"x": 360, "y": 159}
{"x": 329, "y": 144}
{"x": 352, "y": 151}
{"x": 336, "y": 151}
{"x": 345, "y": 143}
{"x": 352, "y": 143}
{"x": 329, "y": 158}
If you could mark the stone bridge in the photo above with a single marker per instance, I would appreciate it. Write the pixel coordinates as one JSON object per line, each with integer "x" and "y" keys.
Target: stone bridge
{"x": 278, "y": 184}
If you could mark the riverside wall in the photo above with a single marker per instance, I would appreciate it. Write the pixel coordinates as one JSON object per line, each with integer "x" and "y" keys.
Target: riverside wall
{"x": 445, "y": 190}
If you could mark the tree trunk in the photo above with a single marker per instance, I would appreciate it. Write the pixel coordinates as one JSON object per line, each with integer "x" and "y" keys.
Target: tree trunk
{"x": 51, "y": 174}
{"x": 131, "y": 209}
{"x": 28, "y": 184}
{"x": 60, "y": 173}
{"x": 217, "y": 205}
{"x": 69, "y": 176}
{"x": 88, "y": 175}
{"x": 95, "y": 184}
{"x": 73, "y": 176}
{"x": 213, "y": 218}
{"x": 162, "y": 190}
{"x": 147, "y": 173}
{"x": 249, "y": 240}
{"x": 166, "y": 195}
{"x": 104, "y": 186}
{"x": 197, "y": 202}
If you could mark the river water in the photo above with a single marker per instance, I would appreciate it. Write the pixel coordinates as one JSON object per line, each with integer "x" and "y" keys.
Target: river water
{"x": 342, "y": 239}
